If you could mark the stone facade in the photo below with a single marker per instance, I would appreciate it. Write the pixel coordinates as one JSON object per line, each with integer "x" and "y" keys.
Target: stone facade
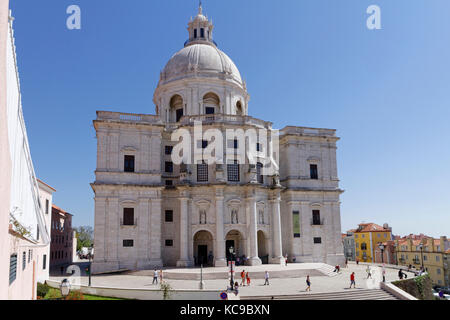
{"x": 150, "y": 212}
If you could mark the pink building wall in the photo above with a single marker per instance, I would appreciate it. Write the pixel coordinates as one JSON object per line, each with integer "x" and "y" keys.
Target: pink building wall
{"x": 5, "y": 159}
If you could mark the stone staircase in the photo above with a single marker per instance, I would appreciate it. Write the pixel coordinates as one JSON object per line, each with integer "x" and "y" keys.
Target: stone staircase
{"x": 350, "y": 294}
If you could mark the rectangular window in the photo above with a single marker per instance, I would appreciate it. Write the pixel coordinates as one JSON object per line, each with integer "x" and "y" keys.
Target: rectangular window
{"x": 37, "y": 232}
{"x": 24, "y": 260}
{"x": 259, "y": 175}
{"x": 313, "y": 171}
{"x": 317, "y": 240}
{"x": 168, "y": 150}
{"x": 128, "y": 243}
{"x": 363, "y": 246}
{"x": 169, "y": 166}
{"x": 202, "y": 172}
{"x": 202, "y": 32}
{"x": 47, "y": 203}
{"x": 12, "y": 268}
{"x": 44, "y": 262}
{"x": 296, "y": 223}
{"x": 258, "y": 147}
{"x": 179, "y": 114}
{"x": 425, "y": 258}
{"x": 437, "y": 259}
{"x": 195, "y": 33}
{"x": 169, "y": 216}
{"x": 128, "y": 216}
{"x": 438, "y": 271}
{"x": 233, "y": 171}
{"x": 129, "y": 164}
{"x": 169, "y": 183}
{"x": 316, "y": 217}
{"x": 169, "y": 243}
{"x": 210, "y": 110}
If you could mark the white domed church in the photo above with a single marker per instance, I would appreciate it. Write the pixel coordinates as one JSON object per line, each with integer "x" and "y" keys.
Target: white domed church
{"x": 152, "y": 212}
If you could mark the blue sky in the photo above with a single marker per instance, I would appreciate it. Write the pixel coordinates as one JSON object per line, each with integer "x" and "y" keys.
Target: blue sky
{"x": 306, "y": 63}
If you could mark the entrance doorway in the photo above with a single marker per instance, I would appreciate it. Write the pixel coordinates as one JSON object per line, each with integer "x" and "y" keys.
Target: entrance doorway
{"x": 202, "y": 255}
{"x": 203, "y": 248}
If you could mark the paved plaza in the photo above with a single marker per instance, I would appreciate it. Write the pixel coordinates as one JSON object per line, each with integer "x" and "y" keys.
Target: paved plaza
{"x": 287, "y": 285}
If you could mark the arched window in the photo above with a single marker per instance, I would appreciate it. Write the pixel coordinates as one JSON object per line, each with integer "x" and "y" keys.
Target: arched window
{"x": 211, "y": 102}
{"x": 176, "y": 108}
{"x": 239, "y": 109}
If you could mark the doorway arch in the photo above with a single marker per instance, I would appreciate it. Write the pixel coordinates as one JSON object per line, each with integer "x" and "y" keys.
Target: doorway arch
{"x": 203, "y": 248}
{"x": 235, "y": 239}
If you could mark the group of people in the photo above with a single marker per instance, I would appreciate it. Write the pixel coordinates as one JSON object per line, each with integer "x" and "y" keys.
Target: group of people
{"x": 245, "y": 278}
{"x": 157, "y": 275}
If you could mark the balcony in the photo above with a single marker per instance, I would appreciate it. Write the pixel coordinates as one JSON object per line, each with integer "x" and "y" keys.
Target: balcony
{"x": 127, "y": 223}
{"x": 128, "y": 117}
{"x": 317, "y": 222}
{"x": 224, "y": 118}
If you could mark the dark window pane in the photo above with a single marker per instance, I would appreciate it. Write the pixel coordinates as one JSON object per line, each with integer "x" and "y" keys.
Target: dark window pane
{"x": 169, "y": 166}
{"x": 169, "y": 243}
{"x": 202, "y": 33}
{"x": 168, "y": 150}
{"x": 44, "y": 262}
{"x": 128, "y": 216}
{"x": 46, "y": 206}
{"x": 202, "y": 172}
{"x": 313, "y": 171}
{"x": 179, "y": 114}
{"x": 318, "y": 240}
{"x": 12, "y": 268}
{"x": 169, "y": 183}
{"x": 259, "y": 175}
{"x": 233, "y": 172}
{"x": 316, "y": 217}
{"x": 128, "y": 243}
{"x": 169, "y": 216}
{"x": 24, "y": 260}
{"x": 210, "y": 110}
{"x": 129, "y": 164}
{"x": 195, "y": 33}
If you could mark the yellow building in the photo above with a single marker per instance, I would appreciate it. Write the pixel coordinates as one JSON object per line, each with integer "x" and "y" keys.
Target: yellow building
{"x": 417, "y": 251}
{"x": 367, "y": 238}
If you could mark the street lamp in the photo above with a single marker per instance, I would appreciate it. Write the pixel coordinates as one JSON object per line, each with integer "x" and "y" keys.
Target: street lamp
{"x": 65, "y": 288}
{"x": 381, "y": 246}
{"x": 421, "y": 254}
{"x": 231, "y": 250}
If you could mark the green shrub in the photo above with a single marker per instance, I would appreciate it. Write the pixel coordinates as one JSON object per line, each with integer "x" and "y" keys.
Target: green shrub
{"x": 75, "y": 295}
{"x": 42, "y": 289}
{"x": 53, "y": 294}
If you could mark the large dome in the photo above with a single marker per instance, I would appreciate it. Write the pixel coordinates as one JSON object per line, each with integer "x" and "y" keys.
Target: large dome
{"x": 200, "y": 60}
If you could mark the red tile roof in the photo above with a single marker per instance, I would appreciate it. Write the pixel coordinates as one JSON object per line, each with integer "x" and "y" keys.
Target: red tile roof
{"x": 371, "y": 227}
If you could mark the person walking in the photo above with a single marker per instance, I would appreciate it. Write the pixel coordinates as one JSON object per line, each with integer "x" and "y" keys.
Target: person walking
{"x": 248, "y": 279}
{"x": 352, "y": 280}
{"x": 155, "y": 277}
{"x": 357, "y": 261}
{"x": 369, "y": 274}
{"x": 266, "y": 277}
{"x": 400, "y": 274}
{"x": 308, "y": 283}
{"x": 236, "y": 288}
{"x": 383, "y": 272}
{"x": 286, "y": 259}
{"x": 243, "y": 278}
{"x": 346, "y": 263}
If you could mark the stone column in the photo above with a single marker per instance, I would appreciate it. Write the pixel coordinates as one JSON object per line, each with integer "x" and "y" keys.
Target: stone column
{"x": 155, "y": 233}
{"x": 184, "y": 241}
{"x": 142, "y": 244}
{"x": 277, "y": 255}
{"x": 220, "y": 260}
{"x": 306, "y": 232}
{"x": 253, "y": 228}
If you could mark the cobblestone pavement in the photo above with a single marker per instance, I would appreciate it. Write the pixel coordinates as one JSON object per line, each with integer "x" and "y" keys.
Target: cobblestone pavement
{"x": 278, "y": 286}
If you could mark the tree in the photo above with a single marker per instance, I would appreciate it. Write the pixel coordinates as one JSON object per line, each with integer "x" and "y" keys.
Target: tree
{"x": 85, "y": 237}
